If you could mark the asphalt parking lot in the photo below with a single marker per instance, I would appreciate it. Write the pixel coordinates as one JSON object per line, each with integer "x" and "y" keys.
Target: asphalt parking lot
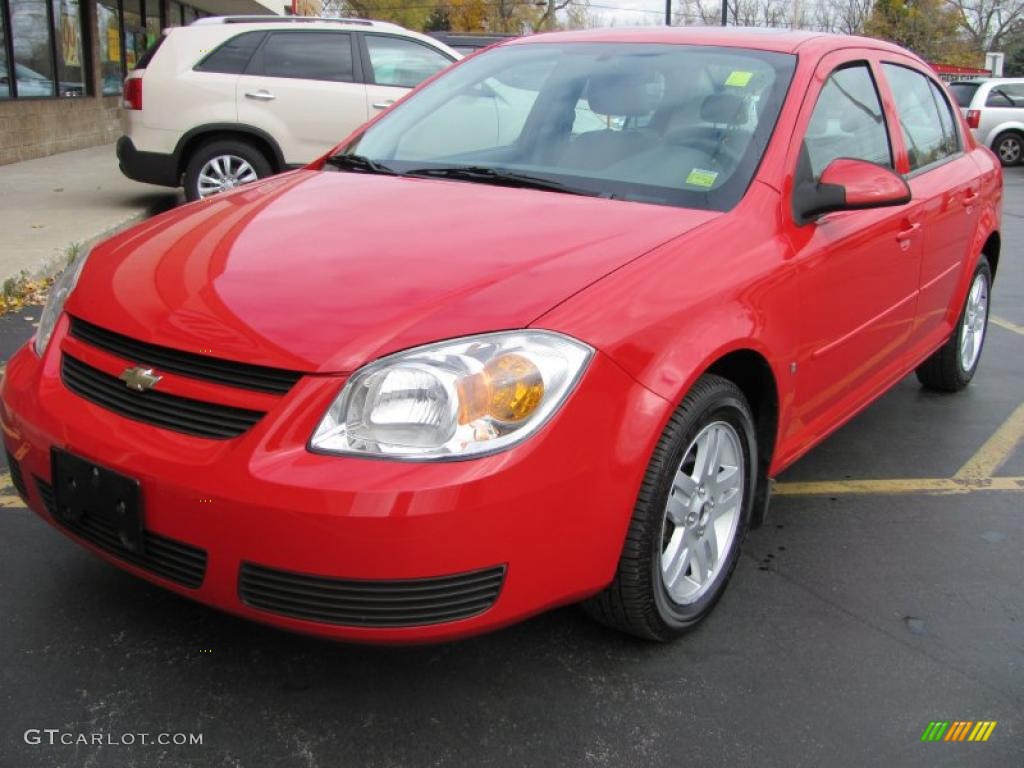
{"x": 885, "y": 592}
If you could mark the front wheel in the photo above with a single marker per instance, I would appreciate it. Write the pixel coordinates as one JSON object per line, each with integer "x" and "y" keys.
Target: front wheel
{"x": 223, "y": 165}
{"x": 952, "y": 366}
{"x": 690, "y": 517}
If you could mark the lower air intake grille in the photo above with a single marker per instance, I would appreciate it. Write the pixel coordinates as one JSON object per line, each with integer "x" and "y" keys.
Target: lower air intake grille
{"x": 182, "y": 414}
{"x": 357, "y": 603}
{"x": 173, "y": 560}
{"x": 14, "y": 469}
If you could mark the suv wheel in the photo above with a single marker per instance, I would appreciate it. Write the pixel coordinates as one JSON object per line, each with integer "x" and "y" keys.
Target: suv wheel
{"x": 1009, "y": 147}
{"x": 223, "y": 165}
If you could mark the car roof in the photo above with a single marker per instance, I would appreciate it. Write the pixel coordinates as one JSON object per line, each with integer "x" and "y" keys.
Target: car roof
{"x": 761, "y": 38}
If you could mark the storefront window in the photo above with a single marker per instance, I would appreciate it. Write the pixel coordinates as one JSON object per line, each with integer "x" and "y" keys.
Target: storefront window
{"x": 5, "y": 75}
{"x": 33, "y": 48}
{"x": 108, "y": 29}
{"x": 134, "y": 33}
{"x": 152, "y": 22}
{"x": 67, "y": 21}
{"x": 174, "y": 14}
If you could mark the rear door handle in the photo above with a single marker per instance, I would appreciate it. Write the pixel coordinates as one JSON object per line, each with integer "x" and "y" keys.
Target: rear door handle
{"x": 383, "y": 104}
{"x": 260, "y": 95}
{"x": 970, "y": 198}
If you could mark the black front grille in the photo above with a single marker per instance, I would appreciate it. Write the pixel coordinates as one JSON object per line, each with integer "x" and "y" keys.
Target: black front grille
{"x": 173, "y": 560}
{"x": 357, "y": 603}
{"x": 182, "y": 414}
{"x": 242, "y": 375}
{"x": 14, "y": 470}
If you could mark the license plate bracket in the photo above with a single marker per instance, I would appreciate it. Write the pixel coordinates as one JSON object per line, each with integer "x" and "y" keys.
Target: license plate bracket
{"x": 85, "y": 490}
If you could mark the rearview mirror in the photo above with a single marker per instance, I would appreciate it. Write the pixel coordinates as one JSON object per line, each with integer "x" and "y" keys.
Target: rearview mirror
{"x": 848, "y": 185}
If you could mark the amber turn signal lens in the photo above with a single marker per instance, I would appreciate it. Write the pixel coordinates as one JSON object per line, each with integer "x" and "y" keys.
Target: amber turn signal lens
{"x": 509, "y": 389}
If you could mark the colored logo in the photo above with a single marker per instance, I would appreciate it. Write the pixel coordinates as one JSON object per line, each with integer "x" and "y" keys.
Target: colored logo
{"x": 958, "y": 730}
{"x": 139, "y": 379}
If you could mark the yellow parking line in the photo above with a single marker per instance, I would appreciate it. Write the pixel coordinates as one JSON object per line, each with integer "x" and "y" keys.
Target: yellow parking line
{"x": 1003, "y": 323}
{"x": 996, "y": 450}
{"x": 927, "y": 485}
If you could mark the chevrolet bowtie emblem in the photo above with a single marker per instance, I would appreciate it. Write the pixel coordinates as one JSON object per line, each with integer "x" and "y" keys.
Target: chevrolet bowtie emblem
{"x": 139, "y": 379}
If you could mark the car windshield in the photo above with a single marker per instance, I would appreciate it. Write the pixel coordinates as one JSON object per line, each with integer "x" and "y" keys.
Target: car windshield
{"x": 963, "y": 92}
{"x": 667, "y": 124}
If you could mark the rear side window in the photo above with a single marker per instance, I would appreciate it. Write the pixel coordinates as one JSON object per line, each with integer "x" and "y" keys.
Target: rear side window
{"x": 403, "y": 63}
{"x": 150, "y": 53}
{"x": 1006, "y": 95}
{"x": 919, "y": 105}
{"x": 309, "y": 56}
{"x": 963, "y": 93}
{"x": 847, "y": 122}
{"x": 233, "y": 56}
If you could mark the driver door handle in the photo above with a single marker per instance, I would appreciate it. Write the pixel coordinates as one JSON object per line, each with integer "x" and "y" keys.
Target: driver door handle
{"x": 383, "y": 104}
{"x": 908, "y": 231}
{"x": 260, "y": 95}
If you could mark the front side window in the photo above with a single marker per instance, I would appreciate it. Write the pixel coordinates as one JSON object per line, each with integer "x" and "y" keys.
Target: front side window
{"x": 847, "y": 122}
{"x": 663, "y": 124}
{"x": 309, "y": 56}
{"x": 402, "y": 63}
{"x": 918, "y": 107}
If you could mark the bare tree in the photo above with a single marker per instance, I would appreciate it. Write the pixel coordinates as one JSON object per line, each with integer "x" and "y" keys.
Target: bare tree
{"x": 986, "y": 22}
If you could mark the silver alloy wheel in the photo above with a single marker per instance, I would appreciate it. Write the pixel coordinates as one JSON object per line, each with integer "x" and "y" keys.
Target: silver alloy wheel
{"x": 972, "y": 331}
{"x": 1009, "y": 150}
{"x": 702, "y": 513}
{"x": 224, "y": 172}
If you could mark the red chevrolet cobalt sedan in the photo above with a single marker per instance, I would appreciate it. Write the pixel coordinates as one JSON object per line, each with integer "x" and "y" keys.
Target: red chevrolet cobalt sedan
{"x": 541, "y": 333}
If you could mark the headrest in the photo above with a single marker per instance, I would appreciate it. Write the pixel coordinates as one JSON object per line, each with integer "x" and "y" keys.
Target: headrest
{"x": 724, "y": 109}
{"x": 621, "y": 94}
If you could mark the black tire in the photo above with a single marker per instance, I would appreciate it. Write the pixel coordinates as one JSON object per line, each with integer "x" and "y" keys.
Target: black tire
{"x": 1009, "y": 148}
{"x": 944, "y": 370}
{"x": 637, "y": 601}
{"x": 224, "y": 148}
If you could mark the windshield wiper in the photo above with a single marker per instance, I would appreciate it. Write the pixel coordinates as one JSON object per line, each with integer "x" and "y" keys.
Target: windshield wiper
{"x": 359, "y": 164}
{"x": 500, "y": 177}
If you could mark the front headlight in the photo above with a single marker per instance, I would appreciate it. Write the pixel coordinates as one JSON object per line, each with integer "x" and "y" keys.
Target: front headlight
{"x": 453, "y": 399}
{"x": 62, "y": 288}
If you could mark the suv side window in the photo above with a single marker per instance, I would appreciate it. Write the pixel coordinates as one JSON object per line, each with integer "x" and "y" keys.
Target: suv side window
{"x": 232, "y": 57}
{"x": 1006, "y": 95}
{"x": 402, "y": 63}
{"x": 920, "y": 114}
{"x": 309, "y": 55}
{"x": 847, "y": 122}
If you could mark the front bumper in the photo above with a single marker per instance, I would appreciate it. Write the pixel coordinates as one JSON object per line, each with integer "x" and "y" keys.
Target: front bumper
{"x": 549, "y": 515}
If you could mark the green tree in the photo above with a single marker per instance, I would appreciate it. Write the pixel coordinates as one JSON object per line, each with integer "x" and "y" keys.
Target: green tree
{"x": 930, "y": 28}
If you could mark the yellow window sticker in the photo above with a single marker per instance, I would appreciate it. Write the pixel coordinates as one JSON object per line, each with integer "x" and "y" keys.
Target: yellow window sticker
{"x": 738, "y": 79}
{"x": 700, "y": 178}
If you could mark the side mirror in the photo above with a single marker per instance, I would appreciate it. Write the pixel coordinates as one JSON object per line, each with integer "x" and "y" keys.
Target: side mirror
{"x": 848, "y": 185}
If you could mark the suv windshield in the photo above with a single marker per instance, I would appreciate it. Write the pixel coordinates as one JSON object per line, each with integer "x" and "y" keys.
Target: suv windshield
{"x": 667, "y": 124}
{"x": 963, "y": 92}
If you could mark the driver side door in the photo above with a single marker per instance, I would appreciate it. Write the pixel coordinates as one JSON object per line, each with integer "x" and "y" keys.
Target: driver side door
{"x": 859, "y": 269}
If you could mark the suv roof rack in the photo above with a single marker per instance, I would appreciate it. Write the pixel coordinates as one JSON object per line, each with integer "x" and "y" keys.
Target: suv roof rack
{"x": 272, "y": 19}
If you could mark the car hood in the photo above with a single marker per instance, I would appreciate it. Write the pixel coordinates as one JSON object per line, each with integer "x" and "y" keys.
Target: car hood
{"x": 321, "y": 271}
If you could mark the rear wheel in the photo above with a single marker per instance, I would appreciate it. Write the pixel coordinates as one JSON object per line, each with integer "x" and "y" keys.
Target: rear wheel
{"x": 953, "y": 365}
{"x": 1009, "y": 148}
{"x": 690, "y": 517}
{"x": 222, "y": 165}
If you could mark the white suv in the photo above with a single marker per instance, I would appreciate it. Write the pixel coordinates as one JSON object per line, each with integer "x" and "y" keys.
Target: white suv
{"x": 228, "y": 100}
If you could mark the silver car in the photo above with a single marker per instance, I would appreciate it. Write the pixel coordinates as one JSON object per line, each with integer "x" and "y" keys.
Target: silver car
{"x": 994, "y": 110}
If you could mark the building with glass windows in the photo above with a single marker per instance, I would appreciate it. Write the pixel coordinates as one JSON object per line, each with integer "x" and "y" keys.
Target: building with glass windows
{"x": 62, "y": 64}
